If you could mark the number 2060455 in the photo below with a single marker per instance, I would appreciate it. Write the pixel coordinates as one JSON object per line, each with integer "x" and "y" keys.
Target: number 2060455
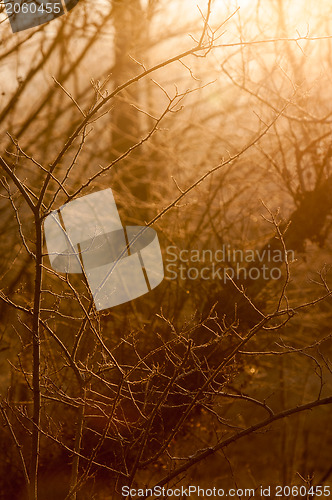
{"x": 302, "y": 491}
{"x": 32, "y": 8}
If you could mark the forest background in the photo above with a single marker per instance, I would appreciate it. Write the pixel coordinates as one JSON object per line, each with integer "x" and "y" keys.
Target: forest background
{"x": 211, "y": 122}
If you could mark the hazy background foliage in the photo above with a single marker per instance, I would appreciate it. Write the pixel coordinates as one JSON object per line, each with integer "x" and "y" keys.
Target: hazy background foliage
{"x": 265, "y": 70}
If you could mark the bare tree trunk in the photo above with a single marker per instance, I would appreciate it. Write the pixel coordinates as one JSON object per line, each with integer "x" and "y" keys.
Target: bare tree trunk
{"x": 36, "y": 361}
{"x": 129, "y": 27}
